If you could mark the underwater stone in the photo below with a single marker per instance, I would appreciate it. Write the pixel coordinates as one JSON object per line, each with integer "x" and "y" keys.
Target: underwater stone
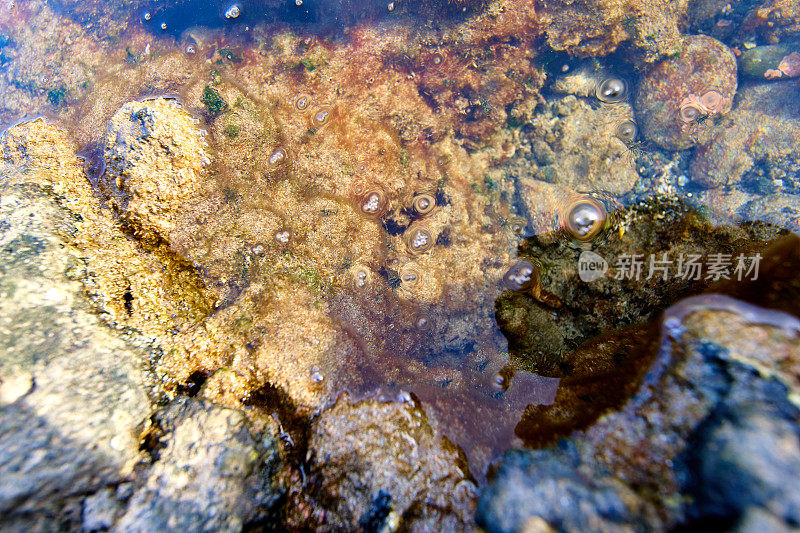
{"x": 390, "y": 447}
{"x": 667, "y": 98}
{"x": 72, "y": 390}
{"x": 771, "y": 62}
{"x": 212, "y": 463}
{"x": 761, "y": 135}
{"x": 154, "y": 159}
{"x": 712, "y": 427}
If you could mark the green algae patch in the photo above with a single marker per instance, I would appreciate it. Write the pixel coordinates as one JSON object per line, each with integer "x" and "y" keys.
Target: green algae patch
{"x": 231, "y": 130}
{"x": 213, "y": 101}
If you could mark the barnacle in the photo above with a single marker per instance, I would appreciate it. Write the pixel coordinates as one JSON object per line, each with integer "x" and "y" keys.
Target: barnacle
{"x": 521, "y": 276}
{"x": 321, "y": 116}
{"x": 373, "y": 203}
{"x": 278, "y": 156}
{"x": 626, "y": 131}
{"x": 283, "y": 236}
{"x": 409, "y": 275}
{"x": 302, "y": 102}
{"x": 360, "y": 277}
{"x": 712, "y": 101}
{"x": 419, "y": 239}
{"x": 691, "y": 109}
{"x": 424, "y": 204}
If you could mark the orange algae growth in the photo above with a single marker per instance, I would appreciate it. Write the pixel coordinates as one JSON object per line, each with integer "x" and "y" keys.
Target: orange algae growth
{"x": 338, "y": 230}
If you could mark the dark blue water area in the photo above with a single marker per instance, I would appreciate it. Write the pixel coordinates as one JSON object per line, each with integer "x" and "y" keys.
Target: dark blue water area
{"x": 175, "y": 17}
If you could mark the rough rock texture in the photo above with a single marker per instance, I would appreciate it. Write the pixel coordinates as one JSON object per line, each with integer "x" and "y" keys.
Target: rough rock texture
{"x": 574, "y": 146}
{"x": 758, "y": 148}
{"x": 379, "y": 465}
{"x": 597, "y": 27}
{"x": 72, "y": 395}
{"x": 545, "y": 489}
{"x": 210, "y": 474}
{"x": 702, "y": 64}
{"x": 154, "y": 158}
{"x": 657, "y": 228}
{"x": 716, "y": 420}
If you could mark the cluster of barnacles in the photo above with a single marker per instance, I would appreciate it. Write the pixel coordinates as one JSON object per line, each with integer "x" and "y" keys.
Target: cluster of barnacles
{"x": 693, "y": 107}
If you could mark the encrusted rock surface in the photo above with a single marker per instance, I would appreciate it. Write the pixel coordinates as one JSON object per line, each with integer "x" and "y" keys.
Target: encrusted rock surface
{"x": 678, "y": 85}
{"x": 75, "y": 394}
{"x": 243, "y": 286}
{"x": 710, "y": 437}
{"x": 154, "y": 159}
{"x": 210, "y": 472}
{"x": 757, "y": 148}
{"x": 575, "y": 147}
{"x": 382, "y": 466}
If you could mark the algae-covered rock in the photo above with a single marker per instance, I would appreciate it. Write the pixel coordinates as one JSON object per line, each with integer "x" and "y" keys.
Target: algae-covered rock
{"x": 708, "y": 437}
{"x": 773, "y": 62}
{"x": 154, "y": 156}
{"x": 72, "y": 391}
{"x": 758, "y": 149}
{"x": 680, "y": 97}
{"x": 597, "y": 27}
{"x": 576, "y": 147}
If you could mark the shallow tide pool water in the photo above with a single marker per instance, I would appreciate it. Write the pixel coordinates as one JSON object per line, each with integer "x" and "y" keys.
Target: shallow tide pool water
{"x": 479, "y": 209}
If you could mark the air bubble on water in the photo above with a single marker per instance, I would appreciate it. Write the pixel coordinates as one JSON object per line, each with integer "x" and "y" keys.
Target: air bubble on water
{"x": 673, "y": 327}
{"x": 163, "y": 25}
{"x": 232, "y": 12}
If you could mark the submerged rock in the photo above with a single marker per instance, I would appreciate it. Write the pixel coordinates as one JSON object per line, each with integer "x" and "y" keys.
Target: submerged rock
{"x": 597, "y": 27}
{"x": 75, "y": 394}
{"x": 772, "y": 62}
{"x": 576, "y": 147}
{"x": 680, "y": 98}
{"x": 154, "y": 157}
{"x": 758, "y": 148}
